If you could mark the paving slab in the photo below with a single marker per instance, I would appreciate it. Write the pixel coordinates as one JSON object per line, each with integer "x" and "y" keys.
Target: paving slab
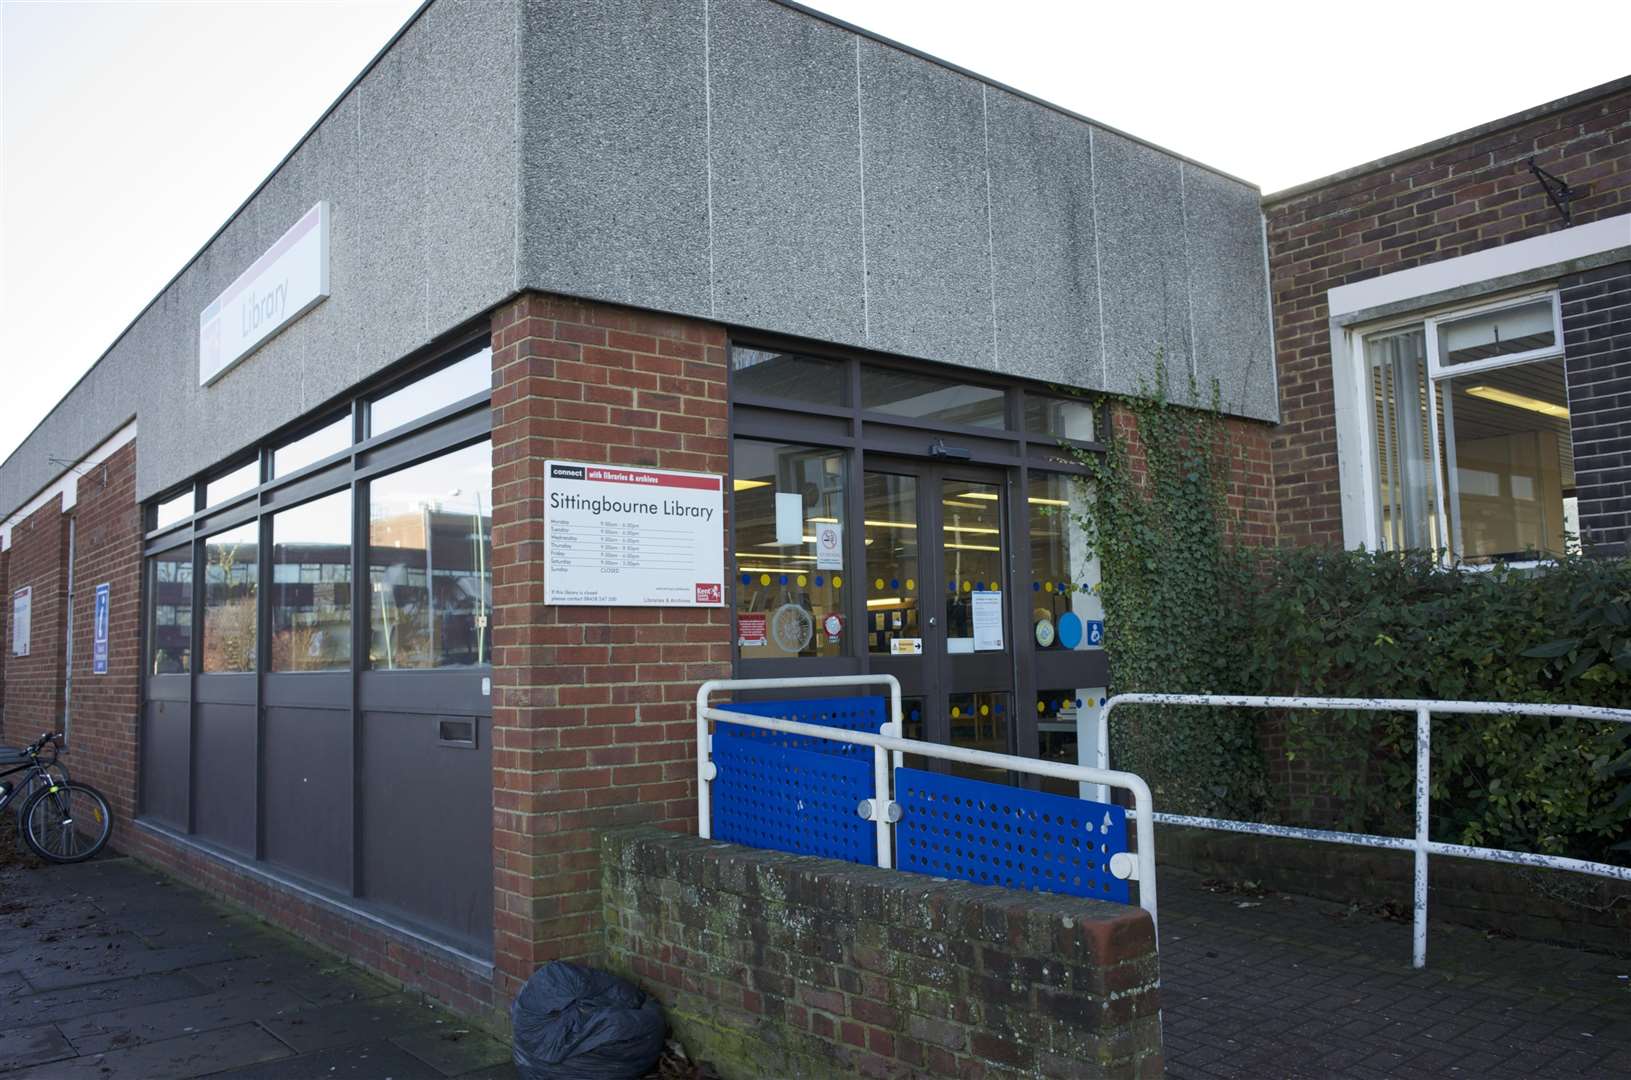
{"x": 32, "y": 1045}
{"x": 190, "y": 1055}
{"x": 103, "y": 1031}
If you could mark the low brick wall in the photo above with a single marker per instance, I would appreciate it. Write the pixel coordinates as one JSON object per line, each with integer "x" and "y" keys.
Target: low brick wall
{"x": 1537, "y": 905}
{"x": 780, "y": 965}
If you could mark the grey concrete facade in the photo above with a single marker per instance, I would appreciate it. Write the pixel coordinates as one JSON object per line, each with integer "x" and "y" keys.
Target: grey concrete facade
{"x": 743, "y": 161}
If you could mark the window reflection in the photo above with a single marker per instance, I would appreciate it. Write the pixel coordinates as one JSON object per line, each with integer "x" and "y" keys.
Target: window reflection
{"x": 441, "y": 388}
{"x": 789, "y": 376}
{"x": 329, "y": 439}
{"x": 233, "y": 484}
{"x": 980, "y": 722}
{"x": 170, "y": 611}
{"x": 1066, "y": 612}
{"x": 173, "y": 510}
{"x": 311, "y": 585}
{"x": 789, "y": 601}
{"x": 430, "y": 531}
{"x": 1059, "y": 417}
{"x": 928, "y": 397}
{"x": 231, "y": 578}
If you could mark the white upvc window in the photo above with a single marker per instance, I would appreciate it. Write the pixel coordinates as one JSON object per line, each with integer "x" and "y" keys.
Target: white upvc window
{"x": 1469, "y": 443}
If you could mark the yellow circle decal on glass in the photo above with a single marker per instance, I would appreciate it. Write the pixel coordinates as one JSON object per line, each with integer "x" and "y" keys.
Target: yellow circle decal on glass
{"x": 1042, "y": 706}
{"x": 803, "y": 581}
{"x": 764, "y": 579}
{"x": 1047, "y": 586}
{"x": 956, "y": 712}
{"x": 910, "y": 584}
{"x": 968, "y": 586}
{"x": 878, "y": 583}
{"x": 985, "y": 710}
{"x": 837, "y": 582}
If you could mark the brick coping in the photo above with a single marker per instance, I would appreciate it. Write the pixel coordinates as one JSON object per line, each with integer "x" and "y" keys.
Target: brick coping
{"x": 441, "y": 951}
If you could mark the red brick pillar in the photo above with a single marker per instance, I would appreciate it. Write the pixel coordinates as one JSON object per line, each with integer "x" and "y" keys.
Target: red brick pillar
{"x": 104, "y": 708}
{"x": 592, "y": 722}
{"x": 38, "y": 560}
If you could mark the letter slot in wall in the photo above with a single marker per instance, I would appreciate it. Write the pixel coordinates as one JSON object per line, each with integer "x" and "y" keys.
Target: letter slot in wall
{"x": 456, "y": 731}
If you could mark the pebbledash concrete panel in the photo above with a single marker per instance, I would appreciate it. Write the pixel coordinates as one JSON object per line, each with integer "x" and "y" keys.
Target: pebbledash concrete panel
{"x": 1144, "y": 267}
{"x": 1225, "y": 233}
{"x": 1044, "y": 254}
{"x": 785, "y": 157}
{"x": 927, "y": 228}
{"x": 614, "y": 162}
{"x": 706, "y": 158}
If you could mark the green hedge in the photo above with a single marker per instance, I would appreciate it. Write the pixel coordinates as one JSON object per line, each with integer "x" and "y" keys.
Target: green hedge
{"x": 1355, "y": 624}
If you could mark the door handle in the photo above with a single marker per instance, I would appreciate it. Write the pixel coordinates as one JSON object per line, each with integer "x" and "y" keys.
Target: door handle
{"x": 932, "y": 621}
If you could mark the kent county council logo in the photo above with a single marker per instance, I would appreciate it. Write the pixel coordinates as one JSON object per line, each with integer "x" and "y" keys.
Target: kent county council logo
{"x": 710, "y": 594}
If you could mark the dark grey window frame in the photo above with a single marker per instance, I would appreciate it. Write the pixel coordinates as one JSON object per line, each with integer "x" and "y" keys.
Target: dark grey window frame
{"x": 460, "y": 693}
{"x": 883, "y": 435}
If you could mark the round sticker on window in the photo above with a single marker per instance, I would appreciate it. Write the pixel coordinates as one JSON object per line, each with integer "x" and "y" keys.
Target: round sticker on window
{"x": 791, "y": 628}
{"x": 1044, "y": 632}
{"x": 834, "y": 625}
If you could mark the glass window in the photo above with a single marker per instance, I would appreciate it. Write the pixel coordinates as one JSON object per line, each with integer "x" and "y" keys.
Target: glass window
{"x": 893, "y": 607}
{"x": 170, "y": 611}
{"x": 1510, "y": 462}
{"x": 980, "y": 722}
{"x": 1059, "y": 417}
{"x": 928, "y": 397}
{"x": 789, "y": 376}
{"x": 466, "y": 378}
{"x": 235, "y": 483}
{"x": 173, "y": 510}
{"x": 329, "y": 439}
{"x": 430, "y": 554}
{"x": 789, "y": 600}
{"x": 311, "y": 585}
{"x": 971, "y": 555}
{"x": 1404, "y": 490}
{"x": 1059, "y": 718}
{"x": 1493, "y": 335}
{"x": 231, "y": 579}
{"x": 1066, "y": 611}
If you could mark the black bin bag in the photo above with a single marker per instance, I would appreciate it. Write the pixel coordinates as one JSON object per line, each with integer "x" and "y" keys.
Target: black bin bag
{"x": 577, "y": 1023}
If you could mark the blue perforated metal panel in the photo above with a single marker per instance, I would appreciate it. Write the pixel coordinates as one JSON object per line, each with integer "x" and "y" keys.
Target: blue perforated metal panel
{"x": 849, "y": 713}
{"x": 992, "y": 834}
{"x": 803, "y": 801}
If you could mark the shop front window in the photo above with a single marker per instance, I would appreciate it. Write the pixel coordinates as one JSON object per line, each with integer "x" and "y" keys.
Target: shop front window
{"x": 893, "y": 608}
{"x": 430, "y": 554}
{"x": 439, "y": 389}
{"x": 311, "y": 585}
{"x": 231, "y": 585}
{"x": 1066, "y": 612}
{"x": 790, "y": 580}
{"x": 170, "y": 611}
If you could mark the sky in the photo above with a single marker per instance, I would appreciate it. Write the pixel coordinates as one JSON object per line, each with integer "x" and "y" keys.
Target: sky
{"x": 129, "y": 131}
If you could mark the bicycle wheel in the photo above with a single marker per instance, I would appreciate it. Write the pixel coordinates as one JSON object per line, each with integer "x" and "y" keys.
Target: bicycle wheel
{"x": 68, "y": 823}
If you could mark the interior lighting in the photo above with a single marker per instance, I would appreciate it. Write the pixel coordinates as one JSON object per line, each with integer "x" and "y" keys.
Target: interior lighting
{"x": 1518, "y": 401}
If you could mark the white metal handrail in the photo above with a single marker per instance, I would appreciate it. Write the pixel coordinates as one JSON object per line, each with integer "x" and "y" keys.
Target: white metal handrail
{"x": 884, "y": 811}
{"x": 1421, "y": 844}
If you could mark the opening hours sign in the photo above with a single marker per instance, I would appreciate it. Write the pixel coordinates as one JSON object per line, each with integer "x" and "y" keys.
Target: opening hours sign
{"x": 622, "y": 536}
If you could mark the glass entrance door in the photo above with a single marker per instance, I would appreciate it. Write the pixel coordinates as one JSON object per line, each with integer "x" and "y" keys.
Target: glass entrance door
{"x": 938, "y": 609}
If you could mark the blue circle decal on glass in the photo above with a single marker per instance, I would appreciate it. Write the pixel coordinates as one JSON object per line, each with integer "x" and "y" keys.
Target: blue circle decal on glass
{"x": 1036, "y": 586}
{"x": 894, "y": 583}
{"x": 1070, "y": 630}
{"x": 819, "y": 580}
{"x": 951, "y": 586}
{"x": 746, "y": 580}
{"x": 1078, "y": 703}
{"x": 784, "y": 579}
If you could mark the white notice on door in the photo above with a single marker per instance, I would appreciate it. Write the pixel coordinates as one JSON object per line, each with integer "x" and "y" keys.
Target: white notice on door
{"x": 829, "y": 547}
{"x": 789, "y": 518}
{"x": 987, "y": 621}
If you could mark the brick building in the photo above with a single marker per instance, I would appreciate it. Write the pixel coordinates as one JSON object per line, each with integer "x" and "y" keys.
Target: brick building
{"x": 1454, "y": 346}
{"x": 357, "y": 679}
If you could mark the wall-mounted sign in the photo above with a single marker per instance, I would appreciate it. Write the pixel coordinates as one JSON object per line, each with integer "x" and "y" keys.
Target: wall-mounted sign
{"x": 282, "y": 285}
{"x": 99, "y": 631}
{"x": 625, "y": 536}
{"x": 751, "y": 629}
{"x": 22, "y": 611}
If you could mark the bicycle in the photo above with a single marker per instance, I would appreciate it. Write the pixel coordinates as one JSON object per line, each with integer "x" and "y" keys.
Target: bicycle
{"x": 62, "y": 820}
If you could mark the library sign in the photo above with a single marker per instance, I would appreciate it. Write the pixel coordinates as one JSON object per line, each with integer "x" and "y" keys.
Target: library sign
{"x": 622, "y": 536}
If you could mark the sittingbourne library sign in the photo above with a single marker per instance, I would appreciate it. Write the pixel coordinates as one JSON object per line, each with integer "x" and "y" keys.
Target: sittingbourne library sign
{"x": 278, "y": 288}
{"x": 631, "y": 537}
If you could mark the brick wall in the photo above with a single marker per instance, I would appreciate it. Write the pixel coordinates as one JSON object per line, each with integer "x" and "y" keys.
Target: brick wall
{"x": 1249, "y": 451}
{"x": 1597, "y": 348}
{"x": 591, "y": 706}
{"x": 38, "y": 559}
{"x": 770, "y": 964}
{"x": 103, "y": 711}
{"x": 1449, "y": 201}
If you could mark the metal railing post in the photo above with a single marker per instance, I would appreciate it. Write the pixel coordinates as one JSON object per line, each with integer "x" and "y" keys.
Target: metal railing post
{"x": 1424, "y": 757}
{"x": 881, "y": 802}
